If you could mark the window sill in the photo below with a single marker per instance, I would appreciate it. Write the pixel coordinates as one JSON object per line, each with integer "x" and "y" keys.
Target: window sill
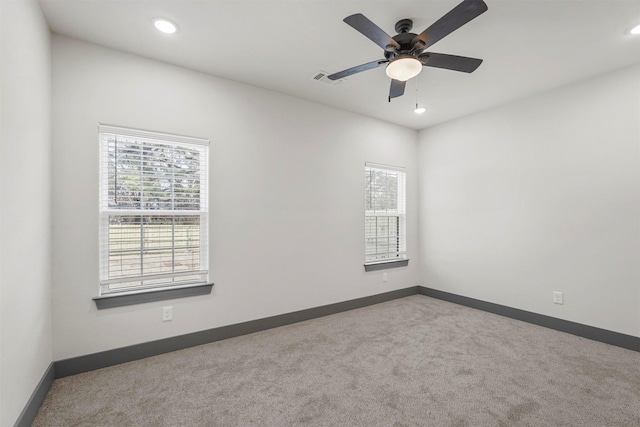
{"x": 141, "y": 297}
{"x": 383, "y": 265}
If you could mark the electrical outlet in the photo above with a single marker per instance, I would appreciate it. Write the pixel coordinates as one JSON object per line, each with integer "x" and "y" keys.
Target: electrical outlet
{"x": 384, "y": 277}
{"x": 167, "y": 313}
{"x": 558, "y": 298}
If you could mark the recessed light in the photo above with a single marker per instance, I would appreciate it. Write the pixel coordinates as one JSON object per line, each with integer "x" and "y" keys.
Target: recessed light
{"x": 164, "y": 25}
{"x": 635, "y": 30}
{"x": 419, "y": 110}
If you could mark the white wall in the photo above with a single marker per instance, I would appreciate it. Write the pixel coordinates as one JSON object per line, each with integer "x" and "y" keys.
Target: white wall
{"x": 25, "y": 204}
{"x": 536, "y": 196}
{"x": 286, "y": 202}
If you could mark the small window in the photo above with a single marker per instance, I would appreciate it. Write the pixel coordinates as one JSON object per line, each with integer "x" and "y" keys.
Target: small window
{"x": 153, "y": 210}
{"x": 385, "y": 214}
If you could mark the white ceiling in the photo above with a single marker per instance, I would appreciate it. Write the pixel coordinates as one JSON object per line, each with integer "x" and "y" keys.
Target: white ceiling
{"x": 528, "y": 46}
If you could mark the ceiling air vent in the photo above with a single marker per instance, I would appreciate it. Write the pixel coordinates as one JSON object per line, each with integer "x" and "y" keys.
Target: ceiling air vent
{"x": 321, "y": 76}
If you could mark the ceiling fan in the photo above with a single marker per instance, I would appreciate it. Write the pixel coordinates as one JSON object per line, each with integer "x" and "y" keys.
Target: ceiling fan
{"x": 405, "y": 53}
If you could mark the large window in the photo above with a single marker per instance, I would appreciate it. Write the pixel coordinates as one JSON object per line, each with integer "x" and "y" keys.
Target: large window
{"x": 385, "y": 213}
{"x": 153, "y": 210}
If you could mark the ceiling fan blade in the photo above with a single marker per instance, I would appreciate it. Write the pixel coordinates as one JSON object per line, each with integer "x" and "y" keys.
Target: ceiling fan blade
{"x": 456, "y": 18}
{"x": 371, "y": 30}
{"x": 397, "y": 89}
{"x": 450, "y": 62}
{"x": 357, "y": 69}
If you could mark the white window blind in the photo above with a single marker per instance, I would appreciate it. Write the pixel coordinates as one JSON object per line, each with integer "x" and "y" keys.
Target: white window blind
{"x": 153, "y": 210}
{"x": 385, "y": 213}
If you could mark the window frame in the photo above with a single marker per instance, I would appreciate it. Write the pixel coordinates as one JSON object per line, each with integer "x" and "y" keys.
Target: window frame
{"x": 136, "y": 294}
{"x": 400, "y": 258}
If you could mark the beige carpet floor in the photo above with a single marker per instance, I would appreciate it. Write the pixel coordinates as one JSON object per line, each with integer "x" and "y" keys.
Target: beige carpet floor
{"x": 414, "y": 361}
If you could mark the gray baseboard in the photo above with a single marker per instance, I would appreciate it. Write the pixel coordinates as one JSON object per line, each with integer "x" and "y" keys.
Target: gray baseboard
{"x": 76, "y": 365}
{"x": 116, "y": 356}
{"x": 29, "y": 412}
{"x": 609, "y": 337}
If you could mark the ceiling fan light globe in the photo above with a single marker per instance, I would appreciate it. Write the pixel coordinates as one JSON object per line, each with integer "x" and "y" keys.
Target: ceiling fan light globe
{"x": 404, "y": 68}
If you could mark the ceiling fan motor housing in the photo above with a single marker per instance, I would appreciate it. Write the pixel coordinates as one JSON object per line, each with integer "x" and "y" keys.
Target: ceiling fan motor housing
{"x": 407, "y": 45}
